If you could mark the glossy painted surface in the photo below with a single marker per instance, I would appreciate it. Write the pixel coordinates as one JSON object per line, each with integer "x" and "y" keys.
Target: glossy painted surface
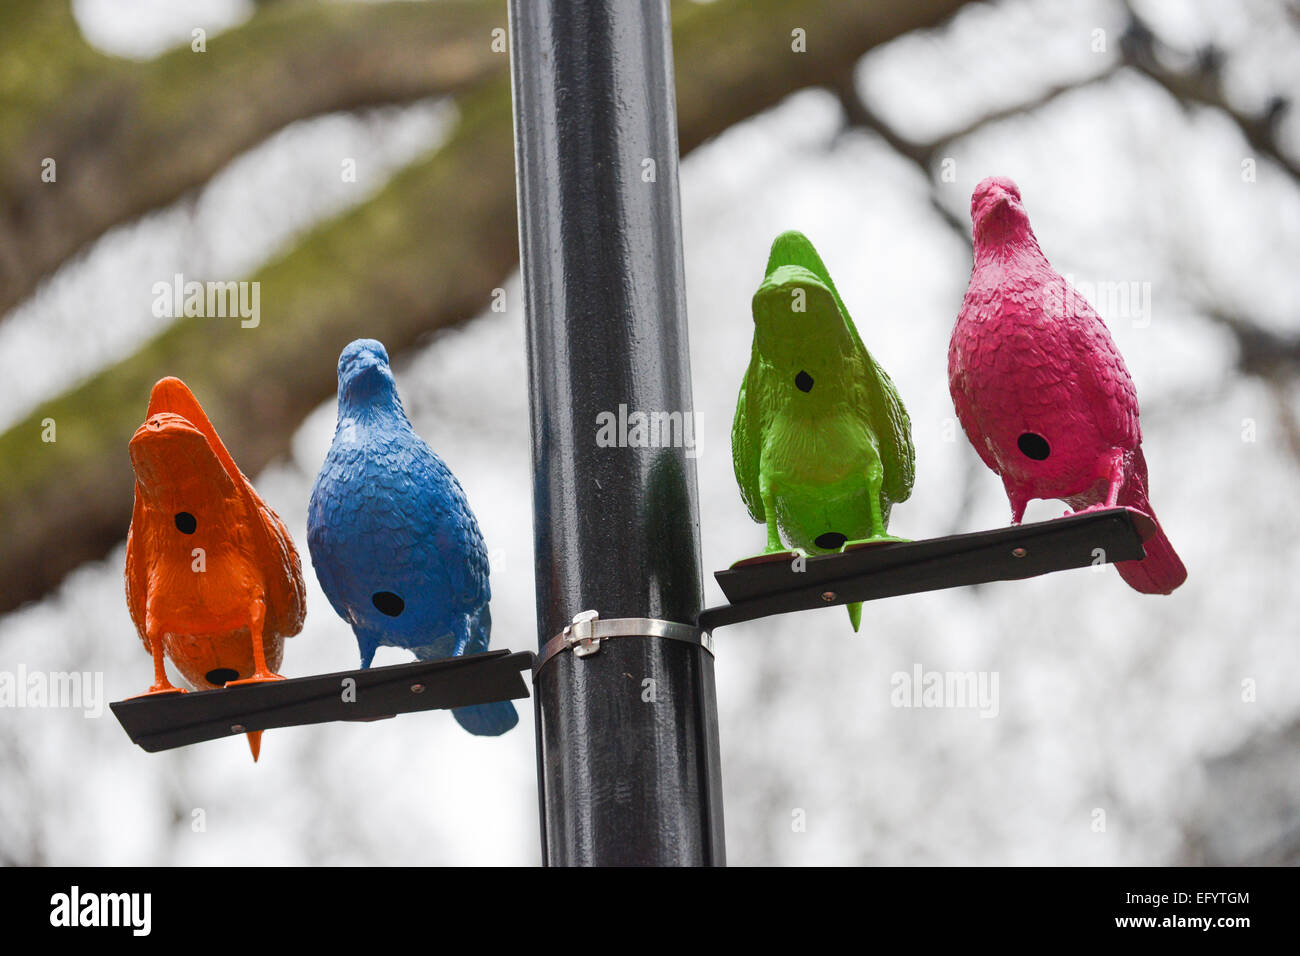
{"x": 821, "y": 443}
{"x": 394, "y": 542}
{"x": 909, "y": 567}
{"x": 1040, "y": 388}
{"x": 213, "y": 581}
{"x": 623, "y": 780}
{"x": 164, "y": 721}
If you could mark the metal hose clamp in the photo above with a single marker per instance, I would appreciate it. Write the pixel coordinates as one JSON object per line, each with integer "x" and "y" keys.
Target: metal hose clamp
{"x": 585, "y": 634}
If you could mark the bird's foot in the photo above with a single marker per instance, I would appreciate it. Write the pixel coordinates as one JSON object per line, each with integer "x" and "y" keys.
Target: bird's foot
{"x": 257, "y": 677}
{"x": 872, "y": 542}
{"x": 1100, "y": 506}
{"x": 158, "y": 689}
{"x": 770, "y": 557}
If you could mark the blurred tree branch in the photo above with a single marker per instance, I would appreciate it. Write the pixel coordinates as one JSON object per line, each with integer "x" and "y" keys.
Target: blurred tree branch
{"x": 131, "y": 137}
{"x": 1270, "y": 356}
{"x": 924, "y": 155}
{"x": 858, "y": 114}
{"x": 426, "y": 253}
{"x": 1262, "y": 353}
{"x": 1245, "y": 812}
{"x": 1201, "y": 83}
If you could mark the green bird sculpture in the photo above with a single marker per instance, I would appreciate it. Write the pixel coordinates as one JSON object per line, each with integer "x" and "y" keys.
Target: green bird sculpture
{"x": 821, "y": 442}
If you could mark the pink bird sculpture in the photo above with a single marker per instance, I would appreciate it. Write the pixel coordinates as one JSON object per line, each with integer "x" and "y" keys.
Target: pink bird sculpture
{"x": 1040, "y": 389}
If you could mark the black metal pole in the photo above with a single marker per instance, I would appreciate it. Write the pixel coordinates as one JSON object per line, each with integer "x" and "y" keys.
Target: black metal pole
{"x": 628, "y": 737}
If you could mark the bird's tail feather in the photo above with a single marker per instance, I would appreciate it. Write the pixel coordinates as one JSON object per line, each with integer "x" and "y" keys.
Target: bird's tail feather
{"x": 255, "y": 743}
{"x": 855, "y": 614}
{"x": 1161, "y": 570}
{"x": 487, "y": 720}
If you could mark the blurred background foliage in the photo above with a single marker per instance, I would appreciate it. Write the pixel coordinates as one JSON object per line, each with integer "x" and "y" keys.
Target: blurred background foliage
{"x": 1154, "y": 143}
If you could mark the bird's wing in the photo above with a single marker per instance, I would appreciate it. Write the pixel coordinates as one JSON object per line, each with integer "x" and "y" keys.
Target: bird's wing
{"x": 891, "y": 426}
{"x": 480, "y": 631}
{"x": 970, "y": 423}
{"x": 137, "y": 580}
{"x": 1103, "y": 377}
{"x": 331, "y": 571}
{"x": 887, "y": 418}
{"x": 286, "y": 591}
{"x": 452, "y": 545}
{"x": 747, "y": 439}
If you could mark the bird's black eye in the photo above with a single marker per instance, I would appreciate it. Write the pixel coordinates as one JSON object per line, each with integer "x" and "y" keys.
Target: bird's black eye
{"x": 1034, "y": 446}
{"x": 185, "y": 522}
{"x": 386, "y": 602}
{"x": 804, "y": 382}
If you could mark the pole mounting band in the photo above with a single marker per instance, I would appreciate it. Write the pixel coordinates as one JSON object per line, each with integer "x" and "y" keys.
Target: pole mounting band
{"x": 584, "y": 635}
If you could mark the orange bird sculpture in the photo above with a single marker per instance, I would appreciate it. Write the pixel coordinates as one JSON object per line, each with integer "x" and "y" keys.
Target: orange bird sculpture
{"x": 213, "y": 581}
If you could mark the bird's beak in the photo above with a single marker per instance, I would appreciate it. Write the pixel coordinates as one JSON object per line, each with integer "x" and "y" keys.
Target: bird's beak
{"x": 1005, "y": 198}
{"x": 366, "y": 375}
{"x": 369, "y": 365}
{"x": 999, "y": 204}
{"x": 796, "y": 313}
{"x": 168, "y": 453}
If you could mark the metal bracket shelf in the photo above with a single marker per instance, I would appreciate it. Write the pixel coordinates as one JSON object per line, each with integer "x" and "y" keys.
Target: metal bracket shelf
{"x": 755, "y": 590}
{"x": 175, "y": 720}
{"x": 889, "y": 570}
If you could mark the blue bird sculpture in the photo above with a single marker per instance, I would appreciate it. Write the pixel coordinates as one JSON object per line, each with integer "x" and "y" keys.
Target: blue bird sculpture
{"x": 391, "y": 535}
